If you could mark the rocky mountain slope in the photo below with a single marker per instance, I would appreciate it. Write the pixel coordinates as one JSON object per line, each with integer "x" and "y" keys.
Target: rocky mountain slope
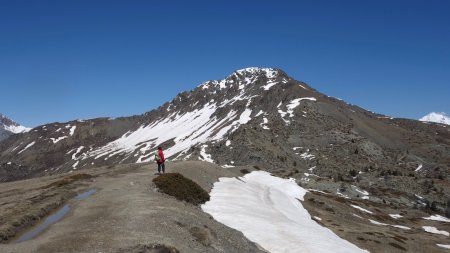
{"x": 259, "y": 117}
{"x": 8, "y": 127}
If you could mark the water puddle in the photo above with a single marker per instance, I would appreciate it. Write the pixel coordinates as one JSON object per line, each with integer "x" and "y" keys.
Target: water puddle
{"x": 49, "y": 221}
{"x": 52, "y": 219}
{"x": 85, "y": 195}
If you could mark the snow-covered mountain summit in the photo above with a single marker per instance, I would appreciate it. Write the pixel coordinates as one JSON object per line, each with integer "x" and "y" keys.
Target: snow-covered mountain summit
{"x": 247, "y": 77}
{"x": 209, "y": 113}
{"x": 9, "y": 127}
{"x": 438, "y": 117}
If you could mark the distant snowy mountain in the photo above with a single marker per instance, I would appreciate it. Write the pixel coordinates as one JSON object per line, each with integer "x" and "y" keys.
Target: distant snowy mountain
{"x": 438, "y": 117}
{"x": 9, "y": 127}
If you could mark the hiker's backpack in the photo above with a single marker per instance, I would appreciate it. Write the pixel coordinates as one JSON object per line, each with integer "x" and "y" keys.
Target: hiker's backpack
{"x": 157, "y": 157}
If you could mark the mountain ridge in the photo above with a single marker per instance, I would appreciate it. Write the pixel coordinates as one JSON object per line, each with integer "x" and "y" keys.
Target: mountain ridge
{"x": 259, "y": 117}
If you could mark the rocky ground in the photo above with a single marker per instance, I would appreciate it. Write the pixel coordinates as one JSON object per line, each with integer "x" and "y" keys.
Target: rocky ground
{"x": 376, "y": 231}
{"x": 125, "y": 214}
{"x": 128, "y": 214}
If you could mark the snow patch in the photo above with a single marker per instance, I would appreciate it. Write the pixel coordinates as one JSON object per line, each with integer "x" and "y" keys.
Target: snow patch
{"x": 269, "y": 85}
{"x": 363, "y": 192}
{"x": 245, "y": 116}
{"x": 56, "y": 140}
{"x": 303, "y": 87}
{"x": 384, "y": 224}
{"x": 26, "y": 147}
{"x": 445, "y": 246}
{"x": 260, "y": 202}
{"x": 401, "y": 227}
{"x": 434, "y": 230}
{"x": 204, "y": 156}
{"x": 74, "y": 156}
{"x": 418, "y": 167}
{"x": 204, "y": 86}
{"x": 16, "y": 147}
{"x": 264, "y": 123}
{"x": 314, "y": 190}
{"x": 395, "y": 216}
{"x": 227, "y": 166}
{"x": 185, "y": 130}
{"x": 72, "y": 130}
{"x": 342, "y": 195}
{"x": 437, "y": 218}
{"x": 307, "y": 156}
{"x": 362, "y": 209}
{"x": 291, "y": 106}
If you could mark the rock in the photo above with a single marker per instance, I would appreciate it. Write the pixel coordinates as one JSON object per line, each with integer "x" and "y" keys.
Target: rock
{"x": 447, "y": 210}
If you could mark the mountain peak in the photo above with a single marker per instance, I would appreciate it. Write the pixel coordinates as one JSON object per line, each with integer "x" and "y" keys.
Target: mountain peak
{"x": 252, "y": 75}
{"x": 269, "y": 72}
{"x": 438, "y": 117}
{"x": 8, "y": 127}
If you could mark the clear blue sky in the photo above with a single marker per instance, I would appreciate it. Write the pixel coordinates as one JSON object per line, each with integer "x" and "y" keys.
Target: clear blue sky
{"x": 63, "y": 60}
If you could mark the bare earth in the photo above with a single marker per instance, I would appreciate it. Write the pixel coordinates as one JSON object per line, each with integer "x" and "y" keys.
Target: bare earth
{"x": 125, "y": 212}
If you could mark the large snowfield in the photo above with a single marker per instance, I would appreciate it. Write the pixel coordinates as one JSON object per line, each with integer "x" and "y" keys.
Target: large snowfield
{"x": 268, "y": 211}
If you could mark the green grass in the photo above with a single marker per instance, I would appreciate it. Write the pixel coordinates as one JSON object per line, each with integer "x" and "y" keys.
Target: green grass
{"x": 184, "y": 189}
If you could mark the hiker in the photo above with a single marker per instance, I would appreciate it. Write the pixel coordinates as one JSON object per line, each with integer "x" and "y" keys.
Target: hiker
{"x": 159, "y": 158}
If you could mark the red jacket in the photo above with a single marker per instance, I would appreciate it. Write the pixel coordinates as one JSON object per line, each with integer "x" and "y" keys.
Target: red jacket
{"x": 161, "y": 155}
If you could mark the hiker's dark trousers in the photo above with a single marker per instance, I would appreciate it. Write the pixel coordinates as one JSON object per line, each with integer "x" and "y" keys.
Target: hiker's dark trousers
{"x": 161, "y": 167}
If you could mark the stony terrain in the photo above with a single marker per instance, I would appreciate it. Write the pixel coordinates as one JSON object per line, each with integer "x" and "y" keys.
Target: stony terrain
{"x": 376, "y": 231}
{"x": 125, "y": 213}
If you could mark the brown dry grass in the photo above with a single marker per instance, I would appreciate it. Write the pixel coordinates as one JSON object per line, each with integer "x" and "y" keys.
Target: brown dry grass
{"x": 149, "y": 248}
{"x": 68, "y": 180}
{"x": 181, "y": 188}
{"x": 201, "y": 235}
{"x": 244, "y": 171}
